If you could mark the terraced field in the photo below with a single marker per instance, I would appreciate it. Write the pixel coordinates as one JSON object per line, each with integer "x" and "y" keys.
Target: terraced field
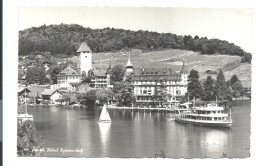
{"x": 193, "y": 60}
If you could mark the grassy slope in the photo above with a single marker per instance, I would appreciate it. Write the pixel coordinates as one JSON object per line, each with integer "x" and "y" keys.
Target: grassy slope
{"x": 192, "y": 60}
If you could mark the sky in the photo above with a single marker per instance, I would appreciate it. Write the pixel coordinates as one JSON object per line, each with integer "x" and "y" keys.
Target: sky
{"x": 233, "y": 25}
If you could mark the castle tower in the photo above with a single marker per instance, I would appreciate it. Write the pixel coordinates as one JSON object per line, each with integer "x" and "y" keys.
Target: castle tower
{"x": 129, "y": 66}
{"x": 85, "y": 55}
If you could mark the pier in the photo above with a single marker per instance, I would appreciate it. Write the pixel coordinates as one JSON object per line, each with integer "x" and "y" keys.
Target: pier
{"x": 159, "y": 109}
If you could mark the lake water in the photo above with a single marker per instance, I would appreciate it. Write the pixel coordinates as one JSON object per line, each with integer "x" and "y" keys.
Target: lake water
{"x": 75, "y": 132}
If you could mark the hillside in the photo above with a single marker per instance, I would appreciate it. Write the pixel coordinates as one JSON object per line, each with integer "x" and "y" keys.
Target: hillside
{"x": 193, "y": 60}
{"x": 147, "y": 49}
{"x": 62, "y": 41}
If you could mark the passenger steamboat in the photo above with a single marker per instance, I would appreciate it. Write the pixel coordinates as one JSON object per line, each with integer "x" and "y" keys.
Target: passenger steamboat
{"x": 209, "y": 115}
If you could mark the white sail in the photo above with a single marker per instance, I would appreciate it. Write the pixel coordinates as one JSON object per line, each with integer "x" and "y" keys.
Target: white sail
{"x": 104, "y": 116}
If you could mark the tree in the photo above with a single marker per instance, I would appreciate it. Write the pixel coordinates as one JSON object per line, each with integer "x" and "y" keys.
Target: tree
{"x": 233, "y": 79}
{"x": 221, "y": 86}
{"x": 103, "y": 95}
{"x": 88, "y": 99}
{"x": 124, "y": 93}
{"x": 63, "y": 40}
{"x": 246, "y": 58}
{"x": 117, "y": 73}
{"x": 194, "y": 86}
{"x": 36, "y": 75}
{"x": 46, "y": 55}
{"x": 27, "y": 142}
{"x": 129, "y": 78}
{"x": 230, "y": 91}
{"x": 31, "y": 57}
{"x": 238, "y": 89}
{"x": 21, "y": 73}
{"x": 208, "y": 89}
{"x": 53, "y": 73}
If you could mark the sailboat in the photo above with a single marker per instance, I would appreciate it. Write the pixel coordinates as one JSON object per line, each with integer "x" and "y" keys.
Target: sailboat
{"x": 25, "y": 116}
{"x": 104, "y": 116}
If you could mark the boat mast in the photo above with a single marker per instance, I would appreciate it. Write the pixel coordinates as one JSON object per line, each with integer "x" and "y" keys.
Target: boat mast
{"x": 26, "y": 99}
{"x": 188, "y": 101}
{"x": 229, "y": 113}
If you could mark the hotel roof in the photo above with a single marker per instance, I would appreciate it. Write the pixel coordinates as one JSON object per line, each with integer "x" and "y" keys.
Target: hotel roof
{"x": 156, "y": 74}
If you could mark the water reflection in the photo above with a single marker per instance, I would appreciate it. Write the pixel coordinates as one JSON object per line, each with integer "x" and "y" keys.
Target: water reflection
{"x": 215, "y": 142}
{"x": 140, "y": 134}
{"x": 104, "y": 130}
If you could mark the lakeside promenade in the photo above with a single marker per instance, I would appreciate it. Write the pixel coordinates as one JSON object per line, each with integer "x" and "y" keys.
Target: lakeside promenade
{"x": 139, "y": 108}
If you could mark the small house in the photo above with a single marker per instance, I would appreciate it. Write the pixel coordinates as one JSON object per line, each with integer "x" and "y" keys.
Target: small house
{"x": 35, "y": 92}
{"x": 51, "y": 95}
{"x": 23, "y": 94}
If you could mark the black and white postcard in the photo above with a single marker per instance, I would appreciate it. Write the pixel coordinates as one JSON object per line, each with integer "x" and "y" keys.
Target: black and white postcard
{"x": 131, "y": 82}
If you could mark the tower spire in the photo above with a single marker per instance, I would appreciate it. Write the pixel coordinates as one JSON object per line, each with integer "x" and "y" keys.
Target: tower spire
{"x": 129, "y": 66}
{"x": 129, "y": 63}
{"x": 183, "y": 69}
{"x": 109, "y": 66}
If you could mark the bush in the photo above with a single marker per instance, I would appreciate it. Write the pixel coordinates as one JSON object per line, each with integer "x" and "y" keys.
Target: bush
{"x": 27, "y": 142}
{"x": 88, "y": 99}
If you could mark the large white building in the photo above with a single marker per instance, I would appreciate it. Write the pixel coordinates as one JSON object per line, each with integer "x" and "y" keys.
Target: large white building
{"x": 68, "y": 79}
{"x": 147, "y": 80}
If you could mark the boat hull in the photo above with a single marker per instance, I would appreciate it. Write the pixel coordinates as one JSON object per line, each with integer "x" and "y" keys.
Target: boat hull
{"x": 204, "y": 123}
{"x": 25, "y": 117}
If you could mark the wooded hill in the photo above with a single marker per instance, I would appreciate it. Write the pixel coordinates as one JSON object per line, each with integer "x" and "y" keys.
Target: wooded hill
{"x": 63, "y": 40}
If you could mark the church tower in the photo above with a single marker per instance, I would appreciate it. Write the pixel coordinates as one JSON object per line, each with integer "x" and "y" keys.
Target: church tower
{"x": 85, "y": 55}
{"x": 184, "y": 79}
{"x": 129, "y": 66}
